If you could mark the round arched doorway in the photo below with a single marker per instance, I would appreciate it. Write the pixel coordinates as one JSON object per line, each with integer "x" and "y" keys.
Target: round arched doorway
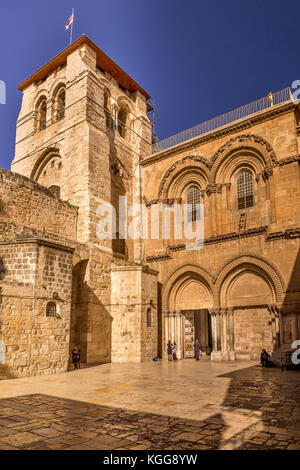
{"x": 189, "y": 298}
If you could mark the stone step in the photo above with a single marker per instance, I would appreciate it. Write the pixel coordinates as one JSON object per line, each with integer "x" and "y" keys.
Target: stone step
{"x": 4, "y": 372}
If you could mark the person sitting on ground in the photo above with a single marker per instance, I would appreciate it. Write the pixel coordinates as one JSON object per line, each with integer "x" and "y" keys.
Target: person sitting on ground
{"x": 265, "y": 359}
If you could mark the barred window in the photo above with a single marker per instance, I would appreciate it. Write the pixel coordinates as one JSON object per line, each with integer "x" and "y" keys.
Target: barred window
{"x": 245, "y": 194}
{"x": 193, "y": 204}
{"x": 149, "y": 319}
{"x": 51, "y": 309}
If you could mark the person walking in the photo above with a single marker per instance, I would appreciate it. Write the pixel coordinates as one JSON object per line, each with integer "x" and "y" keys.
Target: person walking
{"x": 169, "y": 350}
{"x": 174, "y": 351}
{"x": 197, "y": 349}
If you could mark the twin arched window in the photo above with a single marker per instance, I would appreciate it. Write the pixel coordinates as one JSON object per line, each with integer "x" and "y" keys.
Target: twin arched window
{"x": 193, "y": 204}
{"x": 245, "y": 193}
{"x": 59, "y": 104}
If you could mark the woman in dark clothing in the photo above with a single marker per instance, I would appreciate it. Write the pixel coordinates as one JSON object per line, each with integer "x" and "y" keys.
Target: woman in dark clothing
{"x": 169, "y": 350}
{"x": 79, "y": 353}
{"x": 75, "y": 357}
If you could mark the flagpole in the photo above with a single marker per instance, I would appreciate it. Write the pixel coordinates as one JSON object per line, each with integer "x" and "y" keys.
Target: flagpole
{"x": 72, "y": 26}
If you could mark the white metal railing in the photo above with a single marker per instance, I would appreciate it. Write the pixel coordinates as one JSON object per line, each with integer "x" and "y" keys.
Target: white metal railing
{"x": 272, "y": 99}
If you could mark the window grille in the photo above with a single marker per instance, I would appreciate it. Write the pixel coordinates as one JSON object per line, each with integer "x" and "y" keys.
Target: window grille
{"x": 245, "y": 196}
{"x": 193, "y": 202}
{"x": 51, "y": 309}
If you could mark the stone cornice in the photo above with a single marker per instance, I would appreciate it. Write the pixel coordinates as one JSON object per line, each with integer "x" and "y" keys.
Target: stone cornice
{"x": 287, "y": 234}
{"x": 38, "y": 241}
{"x": 217, "y": 133}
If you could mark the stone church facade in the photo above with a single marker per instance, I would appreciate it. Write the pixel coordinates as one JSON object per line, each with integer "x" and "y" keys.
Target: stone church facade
{"x": 84, "y": 141}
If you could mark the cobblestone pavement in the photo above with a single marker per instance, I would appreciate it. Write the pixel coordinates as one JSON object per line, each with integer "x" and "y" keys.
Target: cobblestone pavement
{"x": 246, "y": 407}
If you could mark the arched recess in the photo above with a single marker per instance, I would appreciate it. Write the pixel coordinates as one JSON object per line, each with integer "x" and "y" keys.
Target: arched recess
{"x": 238, "y": 159}
{"x": 41, "y": 113}
{"x": 79, "y": 309}
{"x": 232, "y": 273}
{"x": 252, "y": 146}
{"x": 185, "y": 280}
{"x": 47, "y": 170}
{"x": 178, "y": 175}
{"x": 250, "y": 288}
{"x": 124, "y": 120}
{"x": 58, "y": 102}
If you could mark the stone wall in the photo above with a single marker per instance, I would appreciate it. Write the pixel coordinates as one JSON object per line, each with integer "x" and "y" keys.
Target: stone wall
{"x": 250, "y": 266}
{"x": 35, "y": 272}
{"x": 133, "y": 292}
{"x": 26, "y": 207}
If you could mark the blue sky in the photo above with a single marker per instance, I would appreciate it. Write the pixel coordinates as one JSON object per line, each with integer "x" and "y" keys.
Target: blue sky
{"x": 196, "y": 58}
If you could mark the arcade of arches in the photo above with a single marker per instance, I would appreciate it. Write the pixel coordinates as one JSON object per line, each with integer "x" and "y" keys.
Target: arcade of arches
{"x": 232, "y": 323}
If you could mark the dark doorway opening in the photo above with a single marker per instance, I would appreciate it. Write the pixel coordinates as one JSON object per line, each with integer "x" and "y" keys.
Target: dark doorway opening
{"x": 197, "y": 326}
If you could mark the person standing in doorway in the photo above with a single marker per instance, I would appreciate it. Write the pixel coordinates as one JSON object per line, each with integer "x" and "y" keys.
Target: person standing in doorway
{"x": 174, "y": 351}
{"x": 79, "y": 353}
{"x": 169, "y": 350}
{"x": 197, "y": 349}
{"x": 75, "y": 357}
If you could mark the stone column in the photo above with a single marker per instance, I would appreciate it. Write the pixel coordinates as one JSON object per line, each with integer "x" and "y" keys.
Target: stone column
{"x": 166, "y": 332}
{"x": 224, "y": 340}
{"x": 216, "y": 353}
{"x": 174, "y": 331}
{"x": 218, "y": 331}
{"x": 281, "y": 330}
{"x": 230, "y": 316}
{"x": 294, "y": 327}
{"x": 179, "y": 335}
{"x": 277, "y": 327}
{"x": 272, "y": 315}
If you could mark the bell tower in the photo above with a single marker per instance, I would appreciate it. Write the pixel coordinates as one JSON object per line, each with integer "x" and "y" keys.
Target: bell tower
{"x": 81, "y": 132}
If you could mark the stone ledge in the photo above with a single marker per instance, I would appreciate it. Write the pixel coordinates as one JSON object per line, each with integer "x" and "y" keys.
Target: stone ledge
{"x": 38, "y": 241}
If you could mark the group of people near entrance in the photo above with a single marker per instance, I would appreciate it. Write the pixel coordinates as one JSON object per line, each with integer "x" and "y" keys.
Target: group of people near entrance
{"x": 265, "y": 358}
{"x": 172, "y": 349}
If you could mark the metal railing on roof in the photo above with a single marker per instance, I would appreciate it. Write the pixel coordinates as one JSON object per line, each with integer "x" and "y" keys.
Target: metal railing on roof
{"x": 272, "y": 99}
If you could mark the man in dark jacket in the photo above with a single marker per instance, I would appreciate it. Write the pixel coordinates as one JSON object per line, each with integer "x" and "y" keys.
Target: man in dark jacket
{"x": 197, "y": 349}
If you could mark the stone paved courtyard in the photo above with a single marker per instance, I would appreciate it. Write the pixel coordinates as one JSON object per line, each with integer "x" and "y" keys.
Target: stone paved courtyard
{"x": 183, "y": 405}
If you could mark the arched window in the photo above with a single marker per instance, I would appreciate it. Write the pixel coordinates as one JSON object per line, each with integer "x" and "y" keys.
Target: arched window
{"x": 41, "y": 114}
{"x": 60, "y": 104}
{"x": 245, "y": 195}
{"x": 193, "y": 204}
{"x": 51, "y": 309}
{"x": 123, "y": 116}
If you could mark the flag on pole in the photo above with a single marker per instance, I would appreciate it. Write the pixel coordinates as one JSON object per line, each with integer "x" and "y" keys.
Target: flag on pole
{"x": 70, "y": 21}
